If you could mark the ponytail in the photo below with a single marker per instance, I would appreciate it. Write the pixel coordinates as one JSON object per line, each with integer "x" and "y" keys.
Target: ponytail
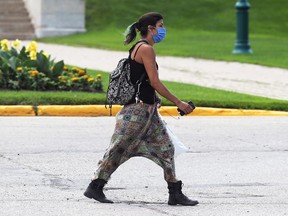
{"x": 130, "y": 33}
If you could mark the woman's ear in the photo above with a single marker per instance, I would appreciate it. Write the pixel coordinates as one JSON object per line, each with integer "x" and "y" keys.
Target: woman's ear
{"x": 150, "y": 28}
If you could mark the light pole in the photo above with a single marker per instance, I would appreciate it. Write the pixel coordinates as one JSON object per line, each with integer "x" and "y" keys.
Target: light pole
{"x": 242, "y": 45}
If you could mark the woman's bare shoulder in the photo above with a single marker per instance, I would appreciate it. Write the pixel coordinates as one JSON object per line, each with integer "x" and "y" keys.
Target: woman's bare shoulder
{"x": 147, "y": 49}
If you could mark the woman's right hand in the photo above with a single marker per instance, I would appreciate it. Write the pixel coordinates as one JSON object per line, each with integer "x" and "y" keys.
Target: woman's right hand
{"x": 185, "y": 107}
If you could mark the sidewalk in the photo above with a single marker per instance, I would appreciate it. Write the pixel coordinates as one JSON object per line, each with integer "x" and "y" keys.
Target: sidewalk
{"x": 244, "y": 78}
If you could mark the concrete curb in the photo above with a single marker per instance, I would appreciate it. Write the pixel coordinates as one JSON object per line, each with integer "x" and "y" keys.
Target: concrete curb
{"x": 17, "y": 111}
{"x": 100, "y": 110}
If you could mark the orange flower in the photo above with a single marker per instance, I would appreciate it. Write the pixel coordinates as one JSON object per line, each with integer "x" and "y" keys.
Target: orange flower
{"x": 33, "y": 73}
{"x": 81, "y": 72}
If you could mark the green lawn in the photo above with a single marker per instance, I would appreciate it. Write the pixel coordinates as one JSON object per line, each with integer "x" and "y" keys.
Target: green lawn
{"x": 201, "y": 96}
{"x": 266, "y": 16}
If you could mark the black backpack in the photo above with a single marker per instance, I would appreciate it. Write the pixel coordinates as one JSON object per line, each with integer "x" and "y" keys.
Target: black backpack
{"x": 120, "y": 89}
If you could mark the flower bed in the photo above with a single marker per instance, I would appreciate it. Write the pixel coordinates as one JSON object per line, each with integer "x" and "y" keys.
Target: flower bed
{"x": 28, "y": 69}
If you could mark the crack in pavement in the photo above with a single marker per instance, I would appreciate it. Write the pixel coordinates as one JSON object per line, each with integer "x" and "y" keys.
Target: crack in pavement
{"x": 51, "y": 180}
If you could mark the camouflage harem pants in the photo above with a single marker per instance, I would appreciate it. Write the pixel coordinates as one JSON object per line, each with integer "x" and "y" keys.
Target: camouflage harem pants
{"x": 139, "y": 131}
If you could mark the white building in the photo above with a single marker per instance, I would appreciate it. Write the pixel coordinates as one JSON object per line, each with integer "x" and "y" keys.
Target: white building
{"x": 56, "y": 17}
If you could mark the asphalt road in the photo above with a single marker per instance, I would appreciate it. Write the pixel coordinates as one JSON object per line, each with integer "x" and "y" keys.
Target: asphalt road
{"x": 234, "y": 166}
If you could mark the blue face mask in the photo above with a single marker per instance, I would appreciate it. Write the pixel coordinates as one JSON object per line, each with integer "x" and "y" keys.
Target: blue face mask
{"x": 160, "y": 36}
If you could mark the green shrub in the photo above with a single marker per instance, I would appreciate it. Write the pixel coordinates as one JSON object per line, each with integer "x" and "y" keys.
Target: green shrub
{"x": 27, "y": 69}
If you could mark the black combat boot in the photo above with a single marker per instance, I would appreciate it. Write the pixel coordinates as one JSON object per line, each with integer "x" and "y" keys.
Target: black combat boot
{"x": 177, "y": 197}
{"x": 95, "y": 191}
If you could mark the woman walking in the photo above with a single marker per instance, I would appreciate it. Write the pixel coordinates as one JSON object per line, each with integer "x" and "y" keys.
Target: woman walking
{"x": 139, "y": 130}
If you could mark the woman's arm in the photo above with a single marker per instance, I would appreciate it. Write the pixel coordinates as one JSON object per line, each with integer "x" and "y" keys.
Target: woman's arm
{"x": 148, "y": 58}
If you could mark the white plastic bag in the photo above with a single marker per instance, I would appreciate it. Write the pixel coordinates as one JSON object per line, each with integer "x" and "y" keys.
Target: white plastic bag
{"x": 178, "y": 145}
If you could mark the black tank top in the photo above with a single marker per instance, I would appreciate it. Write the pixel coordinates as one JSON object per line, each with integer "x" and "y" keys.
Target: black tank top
{"x": 147, "y": 92}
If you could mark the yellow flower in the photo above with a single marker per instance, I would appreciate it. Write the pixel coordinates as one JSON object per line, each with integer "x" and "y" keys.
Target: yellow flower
{"x": 99, "y": 76}
{"x": 75, "y": 69}
{"x": 32, "y": 47}
{"x": 5, "y": 44}
{"x": 33, "y": 55}
{"x": 45, "y": 54}
{"x": 86, "y": 76}
{"x": 19, "y": 68}
{"x": 65, "y": 68}
{"x": 16, "y": 44}
{"x": 75, "y": 78}
{"x": 60, "y": 77}
{"x": 90, "y": 79}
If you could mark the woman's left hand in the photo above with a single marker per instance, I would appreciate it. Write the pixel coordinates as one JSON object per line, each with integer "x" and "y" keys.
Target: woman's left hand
{"x": 185, "y": 107}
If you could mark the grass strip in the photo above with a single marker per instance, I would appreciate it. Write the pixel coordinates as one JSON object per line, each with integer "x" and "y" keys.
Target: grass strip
{"x": 201, "y": 96}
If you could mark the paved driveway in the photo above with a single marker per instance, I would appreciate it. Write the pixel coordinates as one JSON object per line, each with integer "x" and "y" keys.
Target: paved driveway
{"x": 235, "y": 166}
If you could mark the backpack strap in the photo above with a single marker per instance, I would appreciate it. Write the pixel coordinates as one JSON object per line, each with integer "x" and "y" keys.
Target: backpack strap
{"x": 146, "y": 42}
{"x": 139, "y": 47}
{"x": 139, "y": 82}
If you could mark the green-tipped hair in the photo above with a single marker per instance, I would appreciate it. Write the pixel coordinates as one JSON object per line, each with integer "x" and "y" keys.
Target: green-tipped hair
{"x": 130, "y": 33}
